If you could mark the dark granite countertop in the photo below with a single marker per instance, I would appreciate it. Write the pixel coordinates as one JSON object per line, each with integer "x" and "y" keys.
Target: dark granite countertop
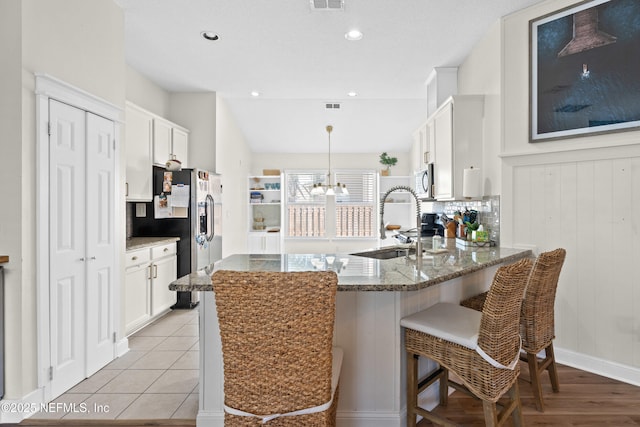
{"x": 358, "y": 273}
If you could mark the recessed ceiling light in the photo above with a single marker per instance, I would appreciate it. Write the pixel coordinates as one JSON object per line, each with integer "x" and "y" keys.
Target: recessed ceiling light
{"x": 352, "y": 93}
{"x": 255, "y": 93}
{"x": 209, "y": 35}
{"x": 353, "y": 35}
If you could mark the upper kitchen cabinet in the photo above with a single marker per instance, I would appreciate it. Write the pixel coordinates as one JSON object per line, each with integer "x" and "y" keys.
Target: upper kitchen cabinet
{"x": 423, "y": 151}
{"x": 457, "y": 131}
{"x": 139, "y": 146}
{"x": 169, "y": 139}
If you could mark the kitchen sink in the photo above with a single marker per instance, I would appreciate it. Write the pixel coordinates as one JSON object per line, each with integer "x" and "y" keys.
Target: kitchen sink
{"x": 386, "y": 253}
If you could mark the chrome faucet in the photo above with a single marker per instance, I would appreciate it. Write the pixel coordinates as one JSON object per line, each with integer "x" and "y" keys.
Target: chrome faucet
{"x": 383, "y": 234}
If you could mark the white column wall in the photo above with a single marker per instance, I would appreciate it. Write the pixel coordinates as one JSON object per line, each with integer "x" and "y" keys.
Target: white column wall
{"x": 581, "y": 194}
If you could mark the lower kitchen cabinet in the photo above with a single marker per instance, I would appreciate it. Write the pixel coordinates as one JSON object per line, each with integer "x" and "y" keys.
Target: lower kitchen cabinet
{"x": 164, "y": 271}
{"x": 148, "y": 273}
{"x": 263, "y": 243}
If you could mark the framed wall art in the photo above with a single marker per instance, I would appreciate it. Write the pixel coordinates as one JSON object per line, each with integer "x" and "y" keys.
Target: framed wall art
{"x": 585, "y": 70}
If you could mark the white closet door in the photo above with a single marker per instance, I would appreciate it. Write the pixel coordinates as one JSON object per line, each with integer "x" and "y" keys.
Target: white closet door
{"x": 67, "y": 245}
{"x": 100, "y": 246}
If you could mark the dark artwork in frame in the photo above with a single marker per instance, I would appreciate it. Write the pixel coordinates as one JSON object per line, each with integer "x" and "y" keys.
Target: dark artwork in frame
{"x": 585, "y": 70}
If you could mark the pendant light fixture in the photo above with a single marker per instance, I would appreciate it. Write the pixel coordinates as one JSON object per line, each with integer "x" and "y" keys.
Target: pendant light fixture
{"x": 328, "y": 189}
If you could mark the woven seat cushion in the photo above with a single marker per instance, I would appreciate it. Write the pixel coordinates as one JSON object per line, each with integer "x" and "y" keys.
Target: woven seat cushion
{"x": 450, "y": 322}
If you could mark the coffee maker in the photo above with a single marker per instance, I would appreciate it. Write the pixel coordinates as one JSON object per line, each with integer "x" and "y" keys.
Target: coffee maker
{"x": 429, "y": 227}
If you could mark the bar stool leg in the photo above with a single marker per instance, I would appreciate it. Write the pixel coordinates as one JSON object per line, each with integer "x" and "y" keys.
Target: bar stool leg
{"x": 514, "y": 395}
{"x": 553, "y": 371}
{"x": 444, "y": 386}
{"x": 534, "y": 374}
{"x": 412, "y": 388}
{"x": 490, "y": 414}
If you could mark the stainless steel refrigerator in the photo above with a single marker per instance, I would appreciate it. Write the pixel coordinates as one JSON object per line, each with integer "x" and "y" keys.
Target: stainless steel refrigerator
{"x": 187, "y": 204}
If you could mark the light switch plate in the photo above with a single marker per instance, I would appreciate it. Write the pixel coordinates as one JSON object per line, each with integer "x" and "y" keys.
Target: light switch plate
{"x": 141, "y": 210}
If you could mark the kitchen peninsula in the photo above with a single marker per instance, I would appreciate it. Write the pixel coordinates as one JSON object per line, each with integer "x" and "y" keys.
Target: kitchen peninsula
{"x": 373, "y": 295}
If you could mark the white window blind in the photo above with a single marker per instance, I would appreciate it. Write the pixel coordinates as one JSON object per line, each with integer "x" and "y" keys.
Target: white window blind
{"x": 356, "y": 212}
{"x": 306, "y": 213}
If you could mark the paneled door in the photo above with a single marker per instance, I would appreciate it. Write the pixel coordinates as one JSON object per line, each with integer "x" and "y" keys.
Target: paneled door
{"x": 100, "y": 241}
{"x": 67, "y": 291}
{"x": 81, "y": 228}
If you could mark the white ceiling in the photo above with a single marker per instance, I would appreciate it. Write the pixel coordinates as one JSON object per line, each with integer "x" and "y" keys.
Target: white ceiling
{"x": 299, "y": 59}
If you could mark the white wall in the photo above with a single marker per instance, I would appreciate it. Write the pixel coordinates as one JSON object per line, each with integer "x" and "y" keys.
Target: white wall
{"x": 197, "y": 112}
{"x": 11, "y": 214}
{"x": 146, "y": 94}
{"x": 233, "y": 161}
{"x": 338, "y": 161}
{"x": 581, "y": 194}
{"x": 481, "y": 74}
{"x": 81, "y": 43}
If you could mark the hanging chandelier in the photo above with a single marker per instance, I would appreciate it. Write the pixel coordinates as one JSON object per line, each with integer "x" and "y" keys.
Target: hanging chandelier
{"x": 328, "y": 189}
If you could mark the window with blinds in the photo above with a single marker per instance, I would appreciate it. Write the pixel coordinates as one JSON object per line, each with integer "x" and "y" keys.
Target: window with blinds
{"x": 354, "y": 212}
{"x": 306, "y": 213}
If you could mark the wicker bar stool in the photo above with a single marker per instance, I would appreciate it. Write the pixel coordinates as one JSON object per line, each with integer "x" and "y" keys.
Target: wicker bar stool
{"x": 537, "y": 320}
{"x": 280, "y": 368}
{"x": 481, "y": 349}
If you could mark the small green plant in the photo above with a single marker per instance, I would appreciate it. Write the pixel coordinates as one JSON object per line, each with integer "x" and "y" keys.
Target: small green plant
{"x": 388, "y": 161}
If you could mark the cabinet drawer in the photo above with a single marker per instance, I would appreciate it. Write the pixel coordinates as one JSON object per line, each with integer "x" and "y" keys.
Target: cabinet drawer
{"x": 139, "y": 256}
{"x": 162, "y": 251}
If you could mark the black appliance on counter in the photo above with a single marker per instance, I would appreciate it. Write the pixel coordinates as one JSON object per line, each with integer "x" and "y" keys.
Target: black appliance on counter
{"x": 429, "y": 227}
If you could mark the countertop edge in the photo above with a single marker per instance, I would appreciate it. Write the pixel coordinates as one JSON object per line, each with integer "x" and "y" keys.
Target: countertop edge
{"x": 198, "y": 281}
{"x": 136, "y": 243}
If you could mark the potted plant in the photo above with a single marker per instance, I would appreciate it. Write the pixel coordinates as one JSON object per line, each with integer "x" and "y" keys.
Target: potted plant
{"x": 388, "y": 162}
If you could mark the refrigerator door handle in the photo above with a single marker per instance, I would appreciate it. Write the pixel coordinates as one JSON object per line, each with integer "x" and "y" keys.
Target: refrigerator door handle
{"x": 210, "y": 214}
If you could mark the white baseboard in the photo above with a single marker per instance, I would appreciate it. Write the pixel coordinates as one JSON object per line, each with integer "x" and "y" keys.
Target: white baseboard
{"x": 122, "y": 347}
{"x": 370, "y": 419}
{"x": 15, "y": 410}
{"x": 210, "y": 419}
{"x": 605, "y": 368}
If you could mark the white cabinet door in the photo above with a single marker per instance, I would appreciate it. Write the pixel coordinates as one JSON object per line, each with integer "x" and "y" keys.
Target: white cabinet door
{"x": 443, "y": 147}
{"x": 164, "y": 272}
{"x": 137, "y": 293}
{"x": 180, "y": 146}
{"x": 264, "y": 243}
{"x": 161, "y": 141}
{"x": 139, "y": 146}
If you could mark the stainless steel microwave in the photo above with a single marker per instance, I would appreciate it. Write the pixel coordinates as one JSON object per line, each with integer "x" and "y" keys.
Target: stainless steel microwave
{"x": 424, "y": 183}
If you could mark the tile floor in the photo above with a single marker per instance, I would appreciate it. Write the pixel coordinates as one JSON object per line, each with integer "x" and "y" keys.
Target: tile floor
{"x": 156, "y": 379}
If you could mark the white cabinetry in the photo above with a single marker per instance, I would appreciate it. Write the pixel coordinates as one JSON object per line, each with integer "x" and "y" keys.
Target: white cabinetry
{"x": 457, "y": 131}
{"x": 169, "y": 139}
{"x": 148, "y": 273}
{"x": 263, "y": 243}
{"x": 164, "y": 266}
{"x": 139, "y": 143}
{"x": 423, "y": 139}
{"x": 265, "y": 214}
{"x": 399, "y": 207}
{"x": 137, "y": 289}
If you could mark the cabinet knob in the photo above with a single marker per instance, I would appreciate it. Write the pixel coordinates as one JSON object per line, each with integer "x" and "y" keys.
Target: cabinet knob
{"x": 133, "y": 258}
{"x": 166, "y": 250}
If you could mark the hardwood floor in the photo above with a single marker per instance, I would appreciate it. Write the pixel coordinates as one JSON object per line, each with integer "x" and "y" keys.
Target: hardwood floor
{"x": 584, "y": 400}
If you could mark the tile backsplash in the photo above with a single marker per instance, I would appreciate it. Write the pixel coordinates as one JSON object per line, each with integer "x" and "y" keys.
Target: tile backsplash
{"x": 488, "y": 212}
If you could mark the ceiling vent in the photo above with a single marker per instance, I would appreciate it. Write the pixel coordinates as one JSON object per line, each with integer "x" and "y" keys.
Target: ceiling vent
{"x": 332, "y": 106}
{"x": 327, "y": 4}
